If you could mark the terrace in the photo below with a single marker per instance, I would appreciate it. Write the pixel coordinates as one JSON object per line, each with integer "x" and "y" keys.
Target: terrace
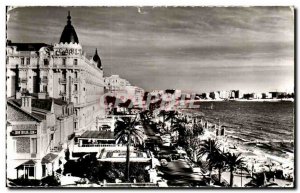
{"x": 120, "y": 156}
{"x": 95, "y": 141}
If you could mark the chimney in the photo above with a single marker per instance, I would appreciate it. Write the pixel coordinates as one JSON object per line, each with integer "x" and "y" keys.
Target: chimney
{"x": 26, "y": 103}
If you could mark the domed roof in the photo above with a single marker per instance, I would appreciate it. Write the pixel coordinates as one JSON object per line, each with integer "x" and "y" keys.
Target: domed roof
{"x": 69, "y": 34}
{"x": 97, "y": 59}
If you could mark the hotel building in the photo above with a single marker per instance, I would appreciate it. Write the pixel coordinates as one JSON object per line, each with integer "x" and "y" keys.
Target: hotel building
{"x": 59, "y": 71}
{"x": 53, "y": 93}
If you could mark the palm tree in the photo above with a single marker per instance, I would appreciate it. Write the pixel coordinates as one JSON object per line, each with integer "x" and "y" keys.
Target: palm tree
{"x": 218, "y": 162}
{"x": 179, "y": 125}
{"x": 172, "y": 115}
{"x": 198, "y": 129}
{"x": 214, "y": 157}
{"x": 233, "y": 161}
{"x": 164, "y": 114}
{"x": 127, "y": 132}
{"x": 209, "y": 148}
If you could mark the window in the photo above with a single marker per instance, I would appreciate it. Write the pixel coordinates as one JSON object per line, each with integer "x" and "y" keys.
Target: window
{"x": 46, "y": 62}
{"x": 75, "y": 87}
{"x": 30, "y": 171}
{"x": 22, "y": 61}
{"x": 45, "y": 89}
{"x": 75, "y": 62}
{"x": 64, "y": 61}
{"x": 75, "y": 125}
{"x": 76, "y": 74}
{"x": 43, "y": 170}
{"x": 27, "y": 61}
{"x": 33, "y": 146}
{"x": 7, "y": 60}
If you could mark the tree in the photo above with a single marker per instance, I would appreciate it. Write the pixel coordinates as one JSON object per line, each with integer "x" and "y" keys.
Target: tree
{"x": 179, "y": 125}
{"x": 215, "y": 157}
{"x": 198, "y": 129}
{"x": 171, "y": 115}
{"x": 233, "y": 161}
{"x": 163, "y": 113}
{"x": 127, "y": 132}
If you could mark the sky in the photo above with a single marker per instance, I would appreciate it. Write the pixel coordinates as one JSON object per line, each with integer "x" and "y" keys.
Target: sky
{"x": 194, "y": 49}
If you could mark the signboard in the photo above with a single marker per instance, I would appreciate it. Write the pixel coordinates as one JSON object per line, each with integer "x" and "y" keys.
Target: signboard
{"x": 23, "y": 132}
{"x": 66, "y": 51}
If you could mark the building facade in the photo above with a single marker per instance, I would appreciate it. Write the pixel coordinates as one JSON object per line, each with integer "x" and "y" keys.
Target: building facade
{"x": 59, "y": 71}
{"x": 34, "y": 139}
{"x": 115, "y": 83}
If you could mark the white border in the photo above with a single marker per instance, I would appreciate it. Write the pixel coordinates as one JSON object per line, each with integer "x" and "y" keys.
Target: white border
{"x": 3, "y": 4}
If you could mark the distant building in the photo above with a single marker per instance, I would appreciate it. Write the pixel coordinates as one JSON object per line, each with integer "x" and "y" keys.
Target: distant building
{"x": 249, "y": 96}
{"x": 115, "y": 83}
{"x": 225, "y": 94}
{"x": 276, "y": 95}
{"x": 135, "y": 93}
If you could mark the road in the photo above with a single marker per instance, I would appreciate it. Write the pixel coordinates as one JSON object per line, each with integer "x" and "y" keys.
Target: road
{"x": 179, "y": 173}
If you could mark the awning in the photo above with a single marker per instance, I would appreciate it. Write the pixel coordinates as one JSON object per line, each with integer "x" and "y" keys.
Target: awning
{"x": 27, "y": 163}
{"x": 49, "y": 158}
{"x": 108, "y": 135}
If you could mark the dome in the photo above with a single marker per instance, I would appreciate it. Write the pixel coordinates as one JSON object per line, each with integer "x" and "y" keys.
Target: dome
{"x": 97, "y": 59}
{"x": 69, "y": 34}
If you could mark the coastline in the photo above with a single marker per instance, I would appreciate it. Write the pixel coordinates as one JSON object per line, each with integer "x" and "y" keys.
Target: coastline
{"x": 242, "y": 100}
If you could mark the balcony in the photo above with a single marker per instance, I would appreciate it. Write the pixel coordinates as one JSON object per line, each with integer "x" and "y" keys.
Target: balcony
{"x": 88, "y": 148}
{"x": 44, "y": 80}
{"x": 56, "y": 149}
{"x": 62, "y": 80}
{"x": 75, "y": 92}
{"x": 76, "y": 80}
{"x": 62, "y": 93}
{"x": 22, "y": 80}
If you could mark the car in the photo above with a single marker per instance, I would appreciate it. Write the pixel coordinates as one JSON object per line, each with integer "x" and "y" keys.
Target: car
{"x": 164, "y": 155}
{"x": 163, "y": 162}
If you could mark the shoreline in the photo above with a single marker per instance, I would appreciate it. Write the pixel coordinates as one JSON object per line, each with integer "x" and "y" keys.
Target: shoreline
{"x": 243, "y": 100}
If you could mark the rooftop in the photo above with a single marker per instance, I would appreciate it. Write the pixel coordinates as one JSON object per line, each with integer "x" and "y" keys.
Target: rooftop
{"x": 69, "y": 34}
{"x": 28, "y": 46}
{"x": 15, "y": 113}
{"x": 49, "y": 158}
{"x": 98, "y": 135}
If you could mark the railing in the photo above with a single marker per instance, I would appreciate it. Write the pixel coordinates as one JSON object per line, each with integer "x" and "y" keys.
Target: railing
{"x": 56, "y": 149}
{"x": 76, "y": 80}
{"x": 130, "y": 184}
{"x": 62, "y": 93}
{"x": 44, "y": 80}
{"x": 75, "y": 92}
{"x": 62, "y": 80}
{"x": 99, "y": 145}
{"x": 58, "y": 175}
{"x": 23, "y": 80}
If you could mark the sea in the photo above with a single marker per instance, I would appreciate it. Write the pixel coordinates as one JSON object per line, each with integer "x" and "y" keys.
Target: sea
{"x": 268, "y": 126}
